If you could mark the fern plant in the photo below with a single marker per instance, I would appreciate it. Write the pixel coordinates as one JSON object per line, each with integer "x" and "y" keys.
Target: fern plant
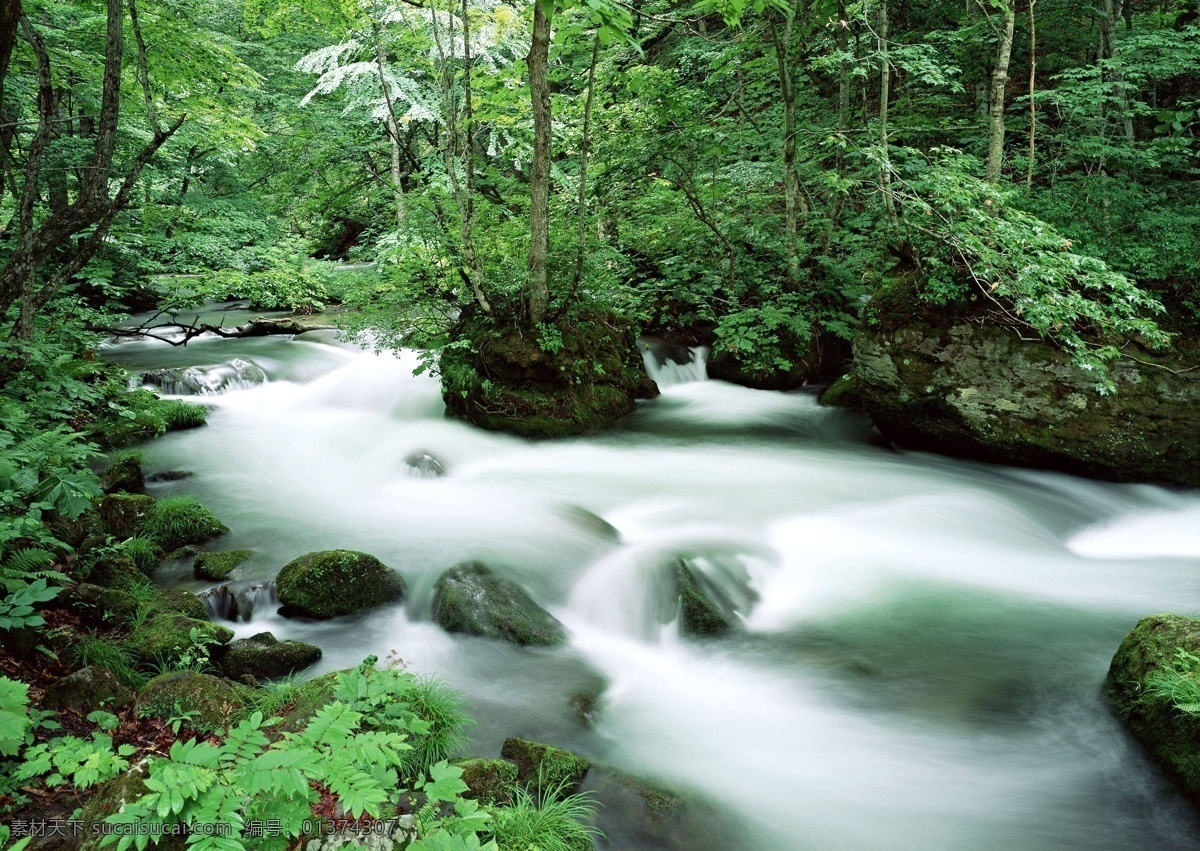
{"x": 1179, "y": 684}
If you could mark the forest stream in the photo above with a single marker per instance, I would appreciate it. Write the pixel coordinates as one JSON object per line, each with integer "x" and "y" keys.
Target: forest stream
{"x": 922, "y": 665}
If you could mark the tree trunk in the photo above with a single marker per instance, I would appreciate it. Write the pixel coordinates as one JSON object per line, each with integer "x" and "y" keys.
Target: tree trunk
{"x": 1032, "y": 92}
{"x": 10, "y": 16}
{"x": 585, "y": 149}
{"x": 791, "y": 180}
{"x": 537, "y": 290}
{"x": 885, "y": 88}
{"x": 995, "y": 157}
{"x": 1111, "y": 12}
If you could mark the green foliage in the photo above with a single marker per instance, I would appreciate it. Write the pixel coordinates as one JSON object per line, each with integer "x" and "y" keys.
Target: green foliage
{"x": 179, "y": 520}
{"x": 92, "y": 650}
{"x": 182, "y": 415}
{"x": 554, "y": 823}
{"x": 1179, "y": 684}
{"x": 144, "y": 552}
{"x": 14, "y": 716}
{"x": 83, "y": 763}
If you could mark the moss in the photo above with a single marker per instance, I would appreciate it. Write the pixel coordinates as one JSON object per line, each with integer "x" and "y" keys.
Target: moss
{"x": 544, "y": 768}
{"x": 501, "y": 379}
{"x": 657, "y": 801}
{"x": 204, "y": 701}
{"x": 145, "y": 421}
{"x": 471, "y": 600}
{"x": 333, "y": 583}
{"x": 264, "y": 657}
{"x": 87, "y": 689}
{"x": 124, "y": 474}
{"x": 124, "y": 515}
{"x": 698, "y": 615}
{"x": 181, "y": 415}
{"x": 842, "y": 393}
{"x": 491, "y": 782}
{"x": 167, "y": 635}
{"x": 217, "y": 566}
{"x": 181, "y": 520}
{"x": 182, "y": 602}
{"x": 112, "y": 570}
{"x": 99, "y": 606}
{"x": 1171, "y": 737}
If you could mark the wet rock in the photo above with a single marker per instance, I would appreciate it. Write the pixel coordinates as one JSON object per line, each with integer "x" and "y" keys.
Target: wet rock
{"x": 262, "y": 327}
{"x": 653, "y": 801}
{"x": 264, "y": 657}
{"x": 424, "y": 465}
{"x": 217, "y": 566}
{"x": 592, "y": 522}
{"x": 842, "y": 393}
{"x": 545, "y": 769}
{"x": 88, "y": 689}
{"x": 814, "y": 361}
{"x": 333, "y": 583}
{"x": 939, "y": 382}
{"x": 1169, "y": 735}
{"x": 166, "y": 636}
{"x": 198, "y": 380}
{"x": 204, "y": 701}
{"x": 164, "y": 476}
{"x": 112, "y": 569}
{"x": 99, "y": 606}
{"x": 491, "y": 782}
{"x": 221, "y": 602}
{"x": 124, "y": 474}
{"x": 123, "y": 515}
{"x": 699, "y": 614}
{"x": 471, "y": 600}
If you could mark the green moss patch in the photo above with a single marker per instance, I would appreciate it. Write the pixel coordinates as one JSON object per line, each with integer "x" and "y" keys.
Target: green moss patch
{"x": 333, "y": 583}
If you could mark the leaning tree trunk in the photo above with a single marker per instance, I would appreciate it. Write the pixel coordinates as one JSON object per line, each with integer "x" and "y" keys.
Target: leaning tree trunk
{"x": 995, "y": 157}
{"x": 537, "y": 289}
{"x": 782, "y": 38}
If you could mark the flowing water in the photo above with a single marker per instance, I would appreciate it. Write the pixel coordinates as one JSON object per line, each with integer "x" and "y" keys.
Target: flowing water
{"x": 921, "y": 668}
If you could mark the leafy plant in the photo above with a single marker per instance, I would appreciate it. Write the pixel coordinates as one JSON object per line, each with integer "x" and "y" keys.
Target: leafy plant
{"x": 553, "y": 823}
{"x": 92, "y": 650}
{"x": 82, "y": 763}
{"x": 1179, "y": 684}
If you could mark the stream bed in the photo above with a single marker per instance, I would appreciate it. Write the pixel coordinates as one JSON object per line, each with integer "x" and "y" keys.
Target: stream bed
{"x": 922, "y": 666}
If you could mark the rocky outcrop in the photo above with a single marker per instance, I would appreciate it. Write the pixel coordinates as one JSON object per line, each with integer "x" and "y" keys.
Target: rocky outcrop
{"x": 1171, "y": 736}
{"x": 471, "y": 600}
{"x": 124, "y": 474}
{"x": 947, "y": 382}
{"x": 201, "y": 380}
{"x": 491, "y": 782}
{"x": 333, "y": 583}
{"x": 264, "y": 657}
{"x": 99, "y": 606}
{"x": 544, "y": 768}
{"x": 792, "y": 363}
{"x": 88, "y": 689}
{"x": 165, "y": 637}
{"x": 508, "y": 379}
{"x": 123, "y": 515}
{"x": 700, "y": 614}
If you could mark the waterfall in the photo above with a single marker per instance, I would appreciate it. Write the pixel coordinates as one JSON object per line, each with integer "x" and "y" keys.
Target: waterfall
{"x": 240, "y": 601}
{"x": 670, "y": 363}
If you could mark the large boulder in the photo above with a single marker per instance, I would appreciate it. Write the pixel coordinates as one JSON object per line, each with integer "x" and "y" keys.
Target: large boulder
{"x": 124, "y": 474}
{"x": 953, "y": 382}
{"x": 217, "y": 566}
{"x": 166, "y": 637}
{"x": 579, "y": 379}
{"x": 1169, "y": 735}
{"x": 99, "y": 606}
{"x": 88, "y": 689}
{"x": 182, "y": 601}
{"x": 202, "y": 701}
{"x": 332, "y": 583}
{"x": 265, "y": 657}
{"x": 545, "y": 768}
{"x": 123, "y": 515}
{"x": 471, "y": 600}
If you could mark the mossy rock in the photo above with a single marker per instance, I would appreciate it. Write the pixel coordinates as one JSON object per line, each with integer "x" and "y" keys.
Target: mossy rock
{"x": 182, "y": 602}
{"x": 146, "y": 423}
{"x": 181, "y": 415}
{"x": 504, "y": 380}
{"x": 124, "y": 474}
{"x": 216, "y": 567}
{"x": 167, "y": 635}
{"x": 88, "y": 689}
{"x": 654, "y": 800}
{"x": 543, "y": 769}
{"x": 842, "y": 393}
{"x": 950, "y": 380}
{"x": 333, "y": 583}
{"x": 1171, "y": 737}
{"x": 699, "y": 615}
{"x": 144, "y": 553}
{"x": 114, "y": 570}
{"x": 180, "y": 521}
{"x": 205, "y": 701}
{"x": 264, "y": 657}
{"x": 471, "y": 600}
{"x": 491, "y": 782}
{"x": 110, "y": 799}
{"x": 99, "y": 606}
{"x": 123, "y": 515}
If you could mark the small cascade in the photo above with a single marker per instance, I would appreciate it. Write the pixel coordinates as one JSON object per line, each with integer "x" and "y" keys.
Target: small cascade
{"x": 670, "y": 363}
{"x": 238, "y": 374}
{"x": 240, "y": 602}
